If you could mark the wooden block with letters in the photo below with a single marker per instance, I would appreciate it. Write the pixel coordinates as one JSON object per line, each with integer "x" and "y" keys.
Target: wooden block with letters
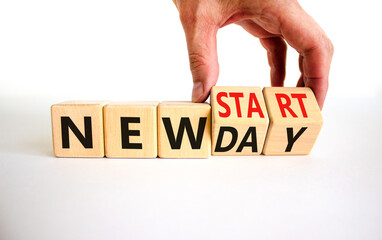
{"x": 130, "y": 129}
{"x": 77, "y": 128}
{"x": 295, "y": 120}
{"x": 239, "y": 120}
{"x": 184, "y": 130}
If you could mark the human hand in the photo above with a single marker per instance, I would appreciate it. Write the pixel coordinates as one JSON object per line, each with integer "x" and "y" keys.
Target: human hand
{"x": 274, "y": 22}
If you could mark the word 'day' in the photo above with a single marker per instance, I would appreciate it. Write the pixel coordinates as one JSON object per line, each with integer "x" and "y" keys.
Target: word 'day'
{"x": 295, "y": 120}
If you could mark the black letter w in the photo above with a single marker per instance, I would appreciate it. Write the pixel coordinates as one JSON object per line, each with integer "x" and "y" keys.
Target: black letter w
{"x": 185, "y": 124}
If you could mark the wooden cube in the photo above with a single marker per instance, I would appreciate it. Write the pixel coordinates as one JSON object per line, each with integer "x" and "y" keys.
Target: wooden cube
{"x": 184, "y": 130}
{"x": 239, "y": 120}
{"x": 77, "y": 128}
{"x": 130, "y": 129}
{"x": 295, "y": 120}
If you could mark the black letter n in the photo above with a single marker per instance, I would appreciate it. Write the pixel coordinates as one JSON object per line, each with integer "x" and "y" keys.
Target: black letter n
{"x": 86, "y": 141}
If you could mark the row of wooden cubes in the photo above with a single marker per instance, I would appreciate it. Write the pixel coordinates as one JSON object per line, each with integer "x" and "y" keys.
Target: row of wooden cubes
{"x": 239, "y": 121}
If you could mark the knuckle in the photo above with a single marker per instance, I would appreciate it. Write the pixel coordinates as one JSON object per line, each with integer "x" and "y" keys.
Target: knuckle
{"x": 197, "y": 61}
{"x": 192, "y": 13}
{"x": 323, "y": 46}
{"x": 327, "y": 45}
{"x": 330, "y": 47}
{"x": 186, "y": 17}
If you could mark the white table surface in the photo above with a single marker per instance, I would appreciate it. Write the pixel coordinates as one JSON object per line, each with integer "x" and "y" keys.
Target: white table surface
{"x": 334, "y": 193}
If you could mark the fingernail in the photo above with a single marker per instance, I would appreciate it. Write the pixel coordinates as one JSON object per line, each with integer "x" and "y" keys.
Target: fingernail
{"x": 197, "y": 91}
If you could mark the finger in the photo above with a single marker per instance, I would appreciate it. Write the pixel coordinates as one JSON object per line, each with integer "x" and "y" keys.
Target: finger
{"x": 316, "y": 66}
{"x": 276, "y": 52}
{"x": 300, "y": 82}
{"x": 304, "y": 34}
{"x": 201, "y": 44}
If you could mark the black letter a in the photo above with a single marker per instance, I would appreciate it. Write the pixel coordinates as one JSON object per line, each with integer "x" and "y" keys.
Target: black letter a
{"x": 67, "y": 123}
{"x": 253, "y": 143}
{"x": 185, "y": 124}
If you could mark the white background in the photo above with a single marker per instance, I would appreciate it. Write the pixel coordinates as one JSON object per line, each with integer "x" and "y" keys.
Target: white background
{"x": 51, "y": 51}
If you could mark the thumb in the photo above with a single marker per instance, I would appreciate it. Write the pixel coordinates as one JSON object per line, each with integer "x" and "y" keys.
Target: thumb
{"x": 202, "y": 52}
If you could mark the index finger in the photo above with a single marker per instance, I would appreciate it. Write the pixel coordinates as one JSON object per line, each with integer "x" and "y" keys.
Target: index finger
{"x": 305, "y": 35}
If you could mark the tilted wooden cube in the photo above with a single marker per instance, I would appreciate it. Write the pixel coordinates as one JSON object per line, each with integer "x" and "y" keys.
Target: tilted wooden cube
{"x": 295, "y": 120}
{"x": 130, "y": 129}
{"x": 77, "y": 128}
{"x": 184, "y": 130}
{"x": 239, "y": 120}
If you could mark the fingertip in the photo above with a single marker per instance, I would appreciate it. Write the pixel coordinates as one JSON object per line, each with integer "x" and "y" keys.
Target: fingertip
{"x": 197, "y": 92}
{"x": 200, "y": 92}
{"x": 300, "y": 82}
{"x": 320, "y": 101}
{"x": 320, "y": 94}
